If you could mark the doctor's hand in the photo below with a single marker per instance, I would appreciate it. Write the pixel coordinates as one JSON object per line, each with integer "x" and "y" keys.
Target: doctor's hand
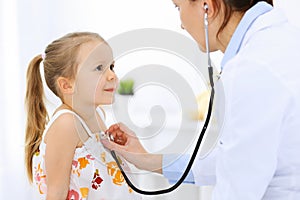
{"x": 126, "y": 144}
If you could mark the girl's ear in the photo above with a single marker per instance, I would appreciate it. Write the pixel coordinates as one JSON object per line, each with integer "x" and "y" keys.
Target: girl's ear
{"x": 65, "y": 85}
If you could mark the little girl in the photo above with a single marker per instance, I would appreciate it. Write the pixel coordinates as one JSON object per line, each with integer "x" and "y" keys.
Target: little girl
{"x": 64, "y": 157}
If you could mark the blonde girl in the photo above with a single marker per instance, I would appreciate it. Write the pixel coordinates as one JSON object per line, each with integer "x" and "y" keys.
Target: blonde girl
{"x": 63, "y": 156}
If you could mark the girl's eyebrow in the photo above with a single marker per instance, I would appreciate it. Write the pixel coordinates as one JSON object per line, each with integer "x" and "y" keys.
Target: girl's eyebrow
{"x": 111, "y": 63}
{"x": 108, "y": 64}
{"x": 104, "y": 62}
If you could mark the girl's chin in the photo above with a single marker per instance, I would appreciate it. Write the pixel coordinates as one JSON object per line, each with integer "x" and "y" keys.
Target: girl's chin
{"x": 107, "y": 102}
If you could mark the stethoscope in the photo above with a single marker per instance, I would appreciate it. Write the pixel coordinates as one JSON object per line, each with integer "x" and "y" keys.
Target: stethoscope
{"x": 188, "y": 168}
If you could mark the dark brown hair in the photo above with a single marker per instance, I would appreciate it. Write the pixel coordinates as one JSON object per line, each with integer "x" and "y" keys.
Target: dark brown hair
{"x": 60, "y": 60}
{"x": 236, "y": 6}
{"x": 231, "y": 6}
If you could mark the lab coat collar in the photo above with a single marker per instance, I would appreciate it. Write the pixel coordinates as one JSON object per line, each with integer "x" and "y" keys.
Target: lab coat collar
{"x": 238, "y": 36}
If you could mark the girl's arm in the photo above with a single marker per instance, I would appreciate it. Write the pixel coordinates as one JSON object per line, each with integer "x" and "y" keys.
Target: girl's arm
{"x": 61, "y": 140}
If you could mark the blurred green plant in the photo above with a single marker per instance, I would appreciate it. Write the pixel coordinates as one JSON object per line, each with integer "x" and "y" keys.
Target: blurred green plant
{"x": 126, "y": 87}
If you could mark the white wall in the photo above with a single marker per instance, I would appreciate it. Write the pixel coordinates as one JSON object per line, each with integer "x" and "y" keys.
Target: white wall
{"x": 26, "y": 27}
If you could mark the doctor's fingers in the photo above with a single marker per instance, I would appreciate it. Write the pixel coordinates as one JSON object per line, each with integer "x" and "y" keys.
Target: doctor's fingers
{"x": 118, "y": 136}
{"x": 128, "y": 151}
{"x": 121, "y": 128}
{"x": 115, "y": 133}
{"x": 112, "y": 145}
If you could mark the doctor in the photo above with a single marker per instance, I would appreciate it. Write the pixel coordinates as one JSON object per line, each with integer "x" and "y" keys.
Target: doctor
{"x": 257, "y": 155}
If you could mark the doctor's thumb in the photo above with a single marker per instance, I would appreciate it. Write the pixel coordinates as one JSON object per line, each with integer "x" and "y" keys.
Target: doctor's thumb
{"x": 111, "y": 145}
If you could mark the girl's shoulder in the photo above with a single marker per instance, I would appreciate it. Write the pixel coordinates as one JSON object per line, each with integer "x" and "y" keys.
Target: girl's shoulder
{"x": 64, "y": 125}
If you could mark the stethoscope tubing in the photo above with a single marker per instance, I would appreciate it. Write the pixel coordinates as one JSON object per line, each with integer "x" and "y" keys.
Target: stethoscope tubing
{"x": 199, "y": 141}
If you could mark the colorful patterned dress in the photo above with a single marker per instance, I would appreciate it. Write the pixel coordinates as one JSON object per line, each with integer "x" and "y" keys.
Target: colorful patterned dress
{"x": 94, "y": 175}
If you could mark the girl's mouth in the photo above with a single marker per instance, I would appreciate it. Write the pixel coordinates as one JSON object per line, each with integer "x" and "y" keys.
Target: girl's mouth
{"x": 109, "y": 90}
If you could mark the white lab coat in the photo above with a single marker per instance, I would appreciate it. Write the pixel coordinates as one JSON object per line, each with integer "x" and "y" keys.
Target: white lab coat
{"x": 258, "y": 153}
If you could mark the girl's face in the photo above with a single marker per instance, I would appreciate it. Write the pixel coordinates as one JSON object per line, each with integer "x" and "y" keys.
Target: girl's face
{"x": 96, "y": 81}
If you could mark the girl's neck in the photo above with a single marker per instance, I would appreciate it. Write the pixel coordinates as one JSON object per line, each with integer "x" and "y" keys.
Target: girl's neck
{"x": 89, "y": 115}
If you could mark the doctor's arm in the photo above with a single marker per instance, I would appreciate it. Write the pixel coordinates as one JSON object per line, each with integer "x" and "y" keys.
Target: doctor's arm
{"x": 128, "y": 146}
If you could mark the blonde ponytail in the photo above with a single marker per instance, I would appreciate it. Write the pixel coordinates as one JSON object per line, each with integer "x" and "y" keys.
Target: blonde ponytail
{"x": 37, "y": 115}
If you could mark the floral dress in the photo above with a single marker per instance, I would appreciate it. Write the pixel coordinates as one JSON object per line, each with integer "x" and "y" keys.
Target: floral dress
{"x": 94, "y": 174}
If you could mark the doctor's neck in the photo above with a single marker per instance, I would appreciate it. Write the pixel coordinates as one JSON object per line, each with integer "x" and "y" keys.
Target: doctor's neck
{"x": 227, "y": 15}
{"x": 225, "y": 35}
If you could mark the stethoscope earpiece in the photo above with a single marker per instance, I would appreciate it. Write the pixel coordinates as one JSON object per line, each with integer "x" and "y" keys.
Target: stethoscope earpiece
{"x": 205, "y": 7}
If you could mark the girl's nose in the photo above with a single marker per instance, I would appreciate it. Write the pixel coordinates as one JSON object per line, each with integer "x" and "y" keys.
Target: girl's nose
{"x": 111, "y": 75}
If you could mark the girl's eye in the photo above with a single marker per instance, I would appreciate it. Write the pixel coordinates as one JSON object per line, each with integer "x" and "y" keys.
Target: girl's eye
{"x": 111, "y": 67}
{"x": 99, "y": 68}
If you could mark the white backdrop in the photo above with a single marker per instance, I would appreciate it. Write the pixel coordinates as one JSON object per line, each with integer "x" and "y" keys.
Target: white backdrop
{"x": 26, "y": 27}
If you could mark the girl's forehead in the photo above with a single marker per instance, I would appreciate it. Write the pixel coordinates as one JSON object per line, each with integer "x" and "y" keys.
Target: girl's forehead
{"x": 96, "y": 52}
